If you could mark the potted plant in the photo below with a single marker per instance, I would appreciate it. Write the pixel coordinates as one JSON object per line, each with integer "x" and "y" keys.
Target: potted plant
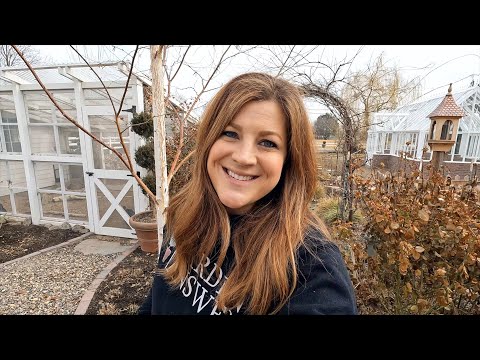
{"x": 145, "y": 222}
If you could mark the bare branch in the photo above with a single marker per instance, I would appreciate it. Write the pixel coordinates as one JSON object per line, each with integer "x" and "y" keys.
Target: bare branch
{"x": 99, "y": 78}
{"x": 179, "y": 149}
{"x": 117, "y": 114}
{"x": 181, "y": 63}
{"x": 285, "y": 61}
{"x": 184, "y": 160}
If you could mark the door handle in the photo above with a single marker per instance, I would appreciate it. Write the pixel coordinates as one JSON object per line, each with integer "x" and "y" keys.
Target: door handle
{"x": 89, "y": 173}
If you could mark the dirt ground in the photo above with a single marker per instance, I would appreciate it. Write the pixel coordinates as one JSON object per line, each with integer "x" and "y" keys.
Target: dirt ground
{"x": 17, "y": 240}
{"x": 126, "y": 287}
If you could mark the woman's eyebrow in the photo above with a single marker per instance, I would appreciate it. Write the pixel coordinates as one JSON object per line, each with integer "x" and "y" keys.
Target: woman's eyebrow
{"x": 271, "y": 133}
{"x": 261, "y": 133}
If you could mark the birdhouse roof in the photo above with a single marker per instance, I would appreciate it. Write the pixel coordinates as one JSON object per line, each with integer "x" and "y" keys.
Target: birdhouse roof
{"x": 448, "y": 107}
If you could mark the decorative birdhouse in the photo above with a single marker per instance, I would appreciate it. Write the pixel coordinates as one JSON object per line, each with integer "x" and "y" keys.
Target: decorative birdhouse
{"x": 444, "y": 124}
{"x": 443, "y": 128}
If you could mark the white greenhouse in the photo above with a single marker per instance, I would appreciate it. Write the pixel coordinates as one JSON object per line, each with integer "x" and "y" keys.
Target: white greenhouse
{"x": 52, "y": 172}
{"x": 388, "y": 136}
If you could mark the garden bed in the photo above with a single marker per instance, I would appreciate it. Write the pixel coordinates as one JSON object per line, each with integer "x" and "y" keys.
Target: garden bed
{"x": 126, "y": 287}
{"x": 17, "y": 240}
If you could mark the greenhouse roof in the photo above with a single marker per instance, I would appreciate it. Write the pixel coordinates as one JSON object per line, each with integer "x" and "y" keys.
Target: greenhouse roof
{"x": 414, "y": 117}
{"x": 111, "y": 73}
{"x": 61, "y": 74}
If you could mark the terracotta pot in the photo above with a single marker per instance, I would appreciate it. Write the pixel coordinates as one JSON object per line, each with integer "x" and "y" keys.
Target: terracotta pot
{"x": 147, "y": 233}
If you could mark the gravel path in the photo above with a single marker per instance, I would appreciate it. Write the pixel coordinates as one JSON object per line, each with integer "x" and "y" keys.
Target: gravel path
{"x": 49, "y": 283}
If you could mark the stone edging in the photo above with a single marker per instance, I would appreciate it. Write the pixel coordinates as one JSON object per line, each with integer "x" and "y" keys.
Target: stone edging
{"x": 65, "y": 243}
{"x": 90, "y": 292}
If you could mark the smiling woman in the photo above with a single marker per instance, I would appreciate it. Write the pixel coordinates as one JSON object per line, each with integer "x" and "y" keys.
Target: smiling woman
{"x": 242, "y": 237}
{"x": 246, "y": 162}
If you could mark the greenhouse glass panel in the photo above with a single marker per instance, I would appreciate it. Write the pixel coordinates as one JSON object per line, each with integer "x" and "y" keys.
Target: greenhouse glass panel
{"x": 41, "y": 109}
{"x": 77, "y": 207}
{"x": 104, "y": 128}
{"x": 73, "y": 178}
{"x": 47, "y": 176}
{"x": 69, "y": 139}
{"x": 99, "y": 97}
{"x": 22, "y": 203}
{"x": 42, "y": 140}
{"x": 52, "y": 205}
{"x": 13, "y": 188}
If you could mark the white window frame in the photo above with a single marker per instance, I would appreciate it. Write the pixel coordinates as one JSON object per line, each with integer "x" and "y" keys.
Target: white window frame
{"x": 3, "y": 141}
{"x": 55, "y": 125}
{"x": 62, "y": 192}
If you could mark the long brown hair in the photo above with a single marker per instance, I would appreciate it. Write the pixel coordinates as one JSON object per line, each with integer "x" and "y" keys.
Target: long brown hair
{"x": 264, "y": 271}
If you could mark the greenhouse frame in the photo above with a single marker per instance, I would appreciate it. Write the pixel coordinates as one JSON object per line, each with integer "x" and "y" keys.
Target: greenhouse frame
{"x": 53, "y": 172}
{"x": 406, "y": 130}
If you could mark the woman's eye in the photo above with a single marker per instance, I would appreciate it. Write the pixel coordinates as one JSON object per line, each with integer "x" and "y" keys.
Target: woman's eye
{"x": 268, "y": 144}
{"x": 230, "y": 134}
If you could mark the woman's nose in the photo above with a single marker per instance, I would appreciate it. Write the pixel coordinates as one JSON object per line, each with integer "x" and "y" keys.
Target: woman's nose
{"x": 245, "y": 154}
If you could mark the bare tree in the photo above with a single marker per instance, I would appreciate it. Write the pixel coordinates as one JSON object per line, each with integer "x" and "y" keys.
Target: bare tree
{"x": 322, "y": 80}
{"x": 376, "y": 88}
{"x": 325, "y": 80}
{"x": 159, "y": 99}
{"x": 9, "y": 57}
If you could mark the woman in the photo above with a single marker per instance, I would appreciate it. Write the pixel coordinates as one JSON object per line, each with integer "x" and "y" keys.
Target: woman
{"x": 242, "y": 237}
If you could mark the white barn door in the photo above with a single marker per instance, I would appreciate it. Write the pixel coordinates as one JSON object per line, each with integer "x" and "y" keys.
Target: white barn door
{"x": 115, "y": 202}
{"x": 115, "y": 194}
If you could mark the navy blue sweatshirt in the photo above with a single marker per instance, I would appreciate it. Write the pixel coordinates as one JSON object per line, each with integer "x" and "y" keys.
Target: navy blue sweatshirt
{"x": 323, "y": 286}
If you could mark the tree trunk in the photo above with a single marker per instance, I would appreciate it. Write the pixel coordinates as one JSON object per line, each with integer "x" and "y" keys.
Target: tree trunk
{"x": 346, "y": 203}
{"x": 158, "y": 111}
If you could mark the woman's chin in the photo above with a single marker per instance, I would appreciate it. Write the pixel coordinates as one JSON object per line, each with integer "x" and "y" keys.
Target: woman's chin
{"x": 236, "y": 208}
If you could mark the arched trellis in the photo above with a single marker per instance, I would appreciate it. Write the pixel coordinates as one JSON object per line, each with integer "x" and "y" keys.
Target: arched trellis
{"x": 348, "y": 144}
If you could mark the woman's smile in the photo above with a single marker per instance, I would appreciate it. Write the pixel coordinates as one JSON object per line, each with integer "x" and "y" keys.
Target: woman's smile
{"x": 242, "y": 178}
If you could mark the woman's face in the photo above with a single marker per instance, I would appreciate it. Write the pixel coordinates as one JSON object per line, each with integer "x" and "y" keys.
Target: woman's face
{"x": 246, "y": 162}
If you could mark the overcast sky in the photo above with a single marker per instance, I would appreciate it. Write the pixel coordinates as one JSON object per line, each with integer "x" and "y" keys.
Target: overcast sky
{"x": 437, "y": 65}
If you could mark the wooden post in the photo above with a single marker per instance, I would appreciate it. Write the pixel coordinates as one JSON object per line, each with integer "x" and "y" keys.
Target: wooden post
{"x": 437, "y": 159}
